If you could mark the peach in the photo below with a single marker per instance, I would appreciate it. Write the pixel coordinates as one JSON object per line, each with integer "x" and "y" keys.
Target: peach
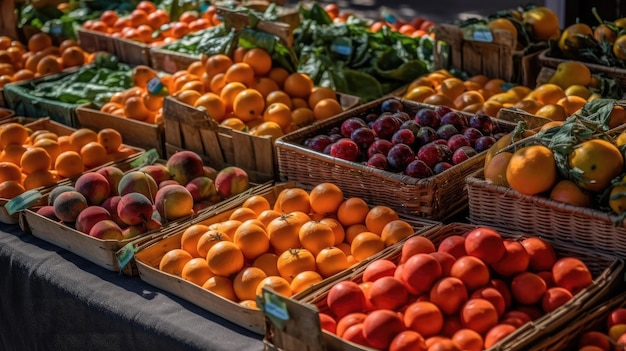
{"x": 420, "y": 272}
{"x": 134, "y": 208}
{"x": 515, "y": 259}
{"x": 454, "y": 245}
{"x": 68, "y": 205}
{"x": 110, "y": 205}
{"x": 157, "y": 171}
{"x": 58, "y": 190}
{"x": 572, "y": 274}
{"x": 89, "y": 217}
{"x": 133, "y": 231}
{"x": 137, "y": 182}
{"x": 48, "y": 212}
{"x": 168, "y": 182}
{"x": 106, "y": 230}
{"x": 185, "y": 165}
{"x": 113, "y": 175}
{"x": 446, "y": 261}
{"x": 231, "y": 181}
{"x": 173, "y": 202}
{"x": 94, "y": 186}
{"x": 201, "y": 188}
{"x": 486, "y": 244}
{"x": 210, "y": 172}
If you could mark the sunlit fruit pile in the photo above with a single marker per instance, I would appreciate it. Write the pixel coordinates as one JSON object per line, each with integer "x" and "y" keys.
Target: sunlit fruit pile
{"x": 468, "y": 293}
{"x": 304, "y": 237}
{"x": 112, "y": 205}
{"x": 32, "y": 159}
{"x": 609, "y": 334}
{"x": 151, "y": 25}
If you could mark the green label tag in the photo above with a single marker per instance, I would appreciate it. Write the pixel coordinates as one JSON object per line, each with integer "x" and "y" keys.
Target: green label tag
{"x": 478, "y": 32}
{"x": 275, "y": 308}
{"x": 156, "y": 87}
{"x": 148, "y": 158}
{"x": 125, "y": 254}
{"x": 22, "y": 201}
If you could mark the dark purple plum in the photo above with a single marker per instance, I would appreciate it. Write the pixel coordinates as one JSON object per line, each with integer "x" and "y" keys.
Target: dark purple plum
{"x": 441, "y": 166}
{"x": 418, "y": 169}
{"x": 445, "y": 131}
{"x": 458, "y": 140}
{"x": 399, "y": 156}
{"x": 378, "y": 161}
{"x": 350, "y": 125}
{"x": 403, "y": 136}
{"x": 441, "y": 110}
{"x": 440, "y": 142}
{"x": 320, "y": 142}
{"x": 427, "y": 118}
{"x": 402, "y": 116}
{"x": 483, "y": 143}
{"x": 411, "y": 125}
{"x": 454, "y": 118}
{"x": 431, "y": 154}
{"x": 370, "y": 117}
{"x": 385, "y": 126}
{"x": 335, "y": 137}
{"x": 447, "y": 153}
{"x": 463, "y": 153}
{"x": 391, "y": 105}
{"x": 345, "y": 149}
{"x": 379, "y": 146}
{"x": 335, "y": 130}
{"x": 425, "y": 135}
{"x": 363, "y": 137}
{"x": 499, "y": 135}
{"x": 483, "y": 123}
{"x": 327, "y": 149}
{"x": 472, "y": 134}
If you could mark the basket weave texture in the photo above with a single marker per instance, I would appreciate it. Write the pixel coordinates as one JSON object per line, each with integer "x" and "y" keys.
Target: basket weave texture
{"x": 437, "y": 197}
{"x": 606, "y": 270}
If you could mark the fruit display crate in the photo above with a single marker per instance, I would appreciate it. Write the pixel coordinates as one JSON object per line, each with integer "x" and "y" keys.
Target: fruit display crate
{"x": 138, "y": 133}
{"x": 190, "y": 128}
{"x": 591, "y": 320}
{"x": 19, "y": 99}
{"x": 128, "y": 51}
{"x": 149, "y": 257}
{"x": 515, "y": 115}
{"x": 5, "y": 113}
{"x": 607, "y": 272}
{"x": 436, "y": 197}
{"x": 619, "y": 74}
{"x": 498, "y": 57}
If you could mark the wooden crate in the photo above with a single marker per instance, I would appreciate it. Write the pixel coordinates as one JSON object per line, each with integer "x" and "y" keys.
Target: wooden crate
{"x": 148, "y": 259}
{"x": 6, "y": 114}
{"x": 498, "y": 57}
{"x": 128, "y": 51}
{"x": 170, "y": 61}
{"x": 437, "y": 197}
{"x": 137, "y": 133}
{"x": 606, "y": 270}
{"x": 619, "y": 74}
{"x": 92, "y": 41}
{"x": 515, "y": 115}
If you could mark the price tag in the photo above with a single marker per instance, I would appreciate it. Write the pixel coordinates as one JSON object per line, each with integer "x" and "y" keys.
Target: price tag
{"x": 22, "y": 201}
{"x": 341, "y": 46}
{"x": 156, "y": 87}
{"x": 125, "y": 254}
{"x": 274, "y": 308}
{"x": 148, "y": 158}
{"x": 478, "y": 32}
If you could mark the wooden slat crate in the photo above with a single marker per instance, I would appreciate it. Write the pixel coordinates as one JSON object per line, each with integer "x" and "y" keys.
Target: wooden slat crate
{"x": 128, "y": 51}
{"x": 619, "y": 74}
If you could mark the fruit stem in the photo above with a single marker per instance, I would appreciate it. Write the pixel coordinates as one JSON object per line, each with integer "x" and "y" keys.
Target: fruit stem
{"x": 595, "y": 13}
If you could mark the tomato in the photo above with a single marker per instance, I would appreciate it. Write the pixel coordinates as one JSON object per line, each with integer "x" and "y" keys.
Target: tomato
{"x": 344, "y": 298}
{"x": 408, "y": 340}
{"x": 380, "y": 327}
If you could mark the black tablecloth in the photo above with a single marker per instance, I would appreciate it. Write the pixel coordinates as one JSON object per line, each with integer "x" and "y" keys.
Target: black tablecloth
{"x": 51, "y": 299}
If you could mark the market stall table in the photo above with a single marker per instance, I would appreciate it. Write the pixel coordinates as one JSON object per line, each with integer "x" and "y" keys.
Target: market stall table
{"x": 51, "y": 299}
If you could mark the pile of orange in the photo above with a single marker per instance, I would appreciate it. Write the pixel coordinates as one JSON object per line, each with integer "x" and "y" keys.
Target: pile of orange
{"x": 146, "y": 18}
{"x": 298, "y": 241}
{"x": 38, "y": 58}
{"x": 247, "y": 92}
{"x": 480, "y": 93}
{"x": 32, "y": 159}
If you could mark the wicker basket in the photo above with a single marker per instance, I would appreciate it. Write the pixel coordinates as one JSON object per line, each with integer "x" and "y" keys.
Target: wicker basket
{"x": 606, "y": 270}
{"x": 437, "y": 197}
{"x": 619, "y": 74}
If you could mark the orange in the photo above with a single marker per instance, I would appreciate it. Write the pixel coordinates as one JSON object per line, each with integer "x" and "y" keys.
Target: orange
{"x": 251, "y": 239}
{"x": 326, "y": 108}
{"x": 599, "y": 160}
{"x": 12, "y": 133}
{"x": 216, "y": 83}
{"x": 439, "y": 99}
{"x": 504, "y": 24}
{"x": 188, "y": 97}
{"x": 468, "y": 339}
{"x": 316, "y": 236}
{"x": 35, "y": 159}
{"x": 552, "y": 111}
{"x": 23, "y": 74}
{"x": 141, "y": 75}
{"x": 298, "y": 102}
{"x": 109, "y": 107}
{"x": 265, "y": 86}
{"x": 568, "y": 192}
{"x": 278, "y": 113}
{"x": 266, "y": 216}
{"x": 418, "y": 93}
{"x": 190, "y": 237}
{"x": 259, "y": 60}
{"x": 217, "y": 64}
{"x": 552, "y": 124}
{"x": 495, "y": 169}
{"x": 69, "y": 164}
{"x": 530, "y": 106}
{"x": 325, "y": 198}
{"x": 226, "y": 227}
{"x": 278, "y": 284}
{"x": 221, "y": 286}
{"x": 378, "y": 217}
{"x": 73, "y": 56}
{"x": 39, "y": 179}
{"x": 214, "y": 106}
{"x": 520, "y": 90}
{"x": 468, "y": 98}
{"x": 278, "y": 96}
{"x": 246, "y": 282}
{"x": 532, "y": 170}
{"x": 494, "y": 85}
{"x": 320, "y": 93}
{"x": 229, "y": 92}
{"x": 51, "y": 146}
{"x": 278, "y": 75}
{"x": 283, "y": 232}
{"x": 291, "y": 262}
{"x": 207, "y": 240}
{"x": 353, "y": 210}
{"x": 354, "y": 230}
{"x": 240, "y": 72}
{"x": 196, "y": 271}
{"x": 451, "y": 87}
{"x": 578, "y": 90}
{"x": 547, "y": 93}
{"x": 174, "y": 260}
{"x": 10, "y": 189}
{"x": 257, "y": 203}
{"x": 39, "y": 41}
{"x": 267, "y": 263}
{"x": 269, "y": 128}
{"x": 93, "y": 154}
{"x": 544, "y": 23}
{"x": 239, "y": 53}
{"x": 302, "y": 116}
{"x": 298, "y": 85}
{"x": 331, "y": 260}
{"x": 365, "y": 245}
{"x": 225, "y": 258}
{"x": 192, "y": 84}
{"x": 10, "y": 171}
{"x": 396, "y": 231}
{"x": 48, "y": 65}
{"x": 248, "y": 105}
{"x": 571, "y": 104}
{"x": 304, "y": 280}
{"x": 110, "y": 139}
